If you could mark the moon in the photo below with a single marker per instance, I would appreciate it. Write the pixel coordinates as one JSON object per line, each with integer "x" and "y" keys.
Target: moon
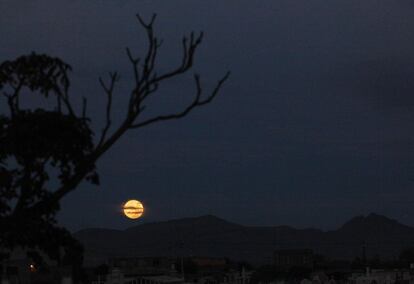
{"x": 133, "y": 209}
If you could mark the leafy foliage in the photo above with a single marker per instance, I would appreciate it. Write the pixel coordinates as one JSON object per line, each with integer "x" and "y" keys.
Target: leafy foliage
{"x": 37, "y": 72}
{"x": 38, "y": 146}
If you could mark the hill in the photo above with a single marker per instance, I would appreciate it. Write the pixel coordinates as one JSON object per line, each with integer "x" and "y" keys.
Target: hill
{"x": 212, "y": 236}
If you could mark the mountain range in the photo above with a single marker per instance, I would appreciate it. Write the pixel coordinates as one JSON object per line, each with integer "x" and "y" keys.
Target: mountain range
{"x": 211, "y": 236}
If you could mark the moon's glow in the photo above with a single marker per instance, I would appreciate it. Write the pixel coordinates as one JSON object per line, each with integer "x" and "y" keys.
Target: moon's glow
{"x": 133, "y": 209}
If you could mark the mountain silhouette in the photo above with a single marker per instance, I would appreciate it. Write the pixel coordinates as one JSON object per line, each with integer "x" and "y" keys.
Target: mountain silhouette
{"x": 213, "y": 236}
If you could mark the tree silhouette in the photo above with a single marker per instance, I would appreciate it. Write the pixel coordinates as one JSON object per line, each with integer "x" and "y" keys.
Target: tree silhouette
{"x": 45, "y": 153}
{"x": 406, "y": 256}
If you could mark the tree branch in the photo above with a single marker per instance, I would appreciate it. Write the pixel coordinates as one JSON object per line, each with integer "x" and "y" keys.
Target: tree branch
{"x": 109, "y": 92}
{"x": 197, "y": 102}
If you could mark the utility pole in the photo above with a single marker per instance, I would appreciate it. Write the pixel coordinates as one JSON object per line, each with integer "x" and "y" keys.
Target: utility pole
{"x": 181, "y": 246}
{"x": 364, "y": 253}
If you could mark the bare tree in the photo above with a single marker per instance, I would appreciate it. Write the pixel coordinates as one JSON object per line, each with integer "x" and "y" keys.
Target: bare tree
{"x": 147, "y": 82}
{"x": 33, "y": 140}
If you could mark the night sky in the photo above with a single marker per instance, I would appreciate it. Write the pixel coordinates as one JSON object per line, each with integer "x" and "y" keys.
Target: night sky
{"x": 314, "y": 126}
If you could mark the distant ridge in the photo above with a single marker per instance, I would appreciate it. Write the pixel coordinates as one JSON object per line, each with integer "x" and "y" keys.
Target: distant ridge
{"x": 206, "y": 220}
{"x": 212, "y": 236}
{"x": 372, "y": 220}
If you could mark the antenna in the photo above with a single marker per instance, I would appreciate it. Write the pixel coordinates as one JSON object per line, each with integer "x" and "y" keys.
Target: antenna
{"x": 364, "y": 253}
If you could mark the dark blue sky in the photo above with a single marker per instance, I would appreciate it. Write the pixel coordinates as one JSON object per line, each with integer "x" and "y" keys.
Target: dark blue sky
{"x": 314, "y": 127}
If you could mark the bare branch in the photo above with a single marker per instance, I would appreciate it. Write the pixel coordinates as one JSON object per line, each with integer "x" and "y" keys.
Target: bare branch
{"x": 187, "y": 62}
{"x": 148, "y": 82}
{"x": 109, "y": 92}
{"x": 197, "y": 102}
{"x": 65, "y": 99}
{"x": 135, "y": 62}
{"x": 142, "y": 22}
{"x": 13, "y": 99}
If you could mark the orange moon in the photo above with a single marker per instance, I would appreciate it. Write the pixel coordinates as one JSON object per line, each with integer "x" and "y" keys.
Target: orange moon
{"x": 133, "y": 209}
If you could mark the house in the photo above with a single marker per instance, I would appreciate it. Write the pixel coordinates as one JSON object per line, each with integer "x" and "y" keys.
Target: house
{"x": 382, "y": 276}
{"x": 143, "y": 265}
{"x": 116, "y": 276}
{"x": 293, "y": 258}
